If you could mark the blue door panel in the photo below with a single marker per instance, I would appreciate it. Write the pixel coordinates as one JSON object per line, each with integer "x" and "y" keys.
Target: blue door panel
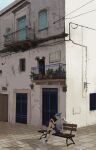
{"x": 46, "y": 108}
{"x": 53, "y": 105}
{"x": 49, "y": 104}
{"x": 21, "y": 108}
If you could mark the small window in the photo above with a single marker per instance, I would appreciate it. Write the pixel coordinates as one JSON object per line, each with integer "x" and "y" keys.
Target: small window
{"x": 93, "y": 101}
{"x": 43, "y": 22}
{"x": 22, "y": 64}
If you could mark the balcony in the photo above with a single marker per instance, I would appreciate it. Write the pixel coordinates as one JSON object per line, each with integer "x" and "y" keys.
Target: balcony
{"x": 20, "y": 39}
{"x": 49, "y": 74}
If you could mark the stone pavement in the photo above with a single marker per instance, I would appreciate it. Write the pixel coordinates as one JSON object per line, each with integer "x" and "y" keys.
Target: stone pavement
{"x": 25, "y": 137}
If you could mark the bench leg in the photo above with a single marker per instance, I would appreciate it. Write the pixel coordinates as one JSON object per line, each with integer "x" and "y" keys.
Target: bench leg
{"x": 44, "y": 135}
{"x": 67, "y": 142}
{"x": 72, "y": 140}
{"x": 70, "y": 143}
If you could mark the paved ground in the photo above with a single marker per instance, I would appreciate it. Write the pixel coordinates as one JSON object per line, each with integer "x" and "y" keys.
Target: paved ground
{"x": 24, "y": 137}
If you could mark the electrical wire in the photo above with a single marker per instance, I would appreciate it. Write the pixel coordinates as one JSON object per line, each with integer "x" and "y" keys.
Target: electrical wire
{"x": 75, "y": 11}
{"x": 62, "y": 18}
{"x": 80, "y": 7}
{"x": 82, "y": 14}
{"x": 72, "y": 23}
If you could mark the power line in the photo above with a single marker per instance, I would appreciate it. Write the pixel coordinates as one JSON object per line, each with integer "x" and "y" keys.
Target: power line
{"x": 62, "y": 18}
{"x": 82, "y": 14}
{"x": 80, "y": 7}
{"x": 81, "y": 26}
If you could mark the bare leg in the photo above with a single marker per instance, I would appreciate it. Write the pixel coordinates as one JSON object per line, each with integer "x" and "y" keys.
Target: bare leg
{"x": 50, "y": 129}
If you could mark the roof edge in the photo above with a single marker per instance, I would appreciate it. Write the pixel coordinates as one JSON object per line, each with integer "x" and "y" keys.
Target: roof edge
{"x": 10, "y": 6}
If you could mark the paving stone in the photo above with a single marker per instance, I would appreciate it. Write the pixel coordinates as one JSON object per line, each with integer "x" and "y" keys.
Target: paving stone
{"x": 25, "y": 137}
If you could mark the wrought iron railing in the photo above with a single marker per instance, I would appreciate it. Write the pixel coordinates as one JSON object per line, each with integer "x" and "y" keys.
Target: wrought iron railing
{"x": 26, "y": 33}
{"x": 53, "y": 71}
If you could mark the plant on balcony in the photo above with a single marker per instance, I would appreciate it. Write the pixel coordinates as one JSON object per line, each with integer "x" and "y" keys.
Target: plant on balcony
{"x": 33, "y": 75}
{"x": 59, "y": 73}
{"x": 50, "y": 73}
{"x": 37, "y": 58}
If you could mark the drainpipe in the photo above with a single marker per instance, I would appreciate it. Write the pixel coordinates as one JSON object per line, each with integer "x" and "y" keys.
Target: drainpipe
{"x": 85, "y": 84}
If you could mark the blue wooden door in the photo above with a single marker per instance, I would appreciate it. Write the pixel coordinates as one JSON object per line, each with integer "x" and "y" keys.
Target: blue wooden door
{"x": 21, "y": 107}
{"x": 49, "y": 104}
{"x": 22, "y": 28}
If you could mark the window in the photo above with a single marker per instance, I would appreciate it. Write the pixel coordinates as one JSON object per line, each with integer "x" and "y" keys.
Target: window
{"x": 93, "y": 101}
{"x": 22, "y": 64}
{"x": 41, "y": 65}
{"x": 43, "y": 22}
{"x": 21, "y": 24}
{"x": 55, "y": 57}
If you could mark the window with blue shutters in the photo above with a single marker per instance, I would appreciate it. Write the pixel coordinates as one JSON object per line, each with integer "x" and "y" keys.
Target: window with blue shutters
{"x": 22, "y": 28}
{"x": 93, "y": 101}
{"x": 43, "y": 22}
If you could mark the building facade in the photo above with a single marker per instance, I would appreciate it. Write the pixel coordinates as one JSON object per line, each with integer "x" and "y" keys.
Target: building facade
{"x": 47, "y": 62}
{"x": 81, "y": 61}
{"x": 32, "y": 61}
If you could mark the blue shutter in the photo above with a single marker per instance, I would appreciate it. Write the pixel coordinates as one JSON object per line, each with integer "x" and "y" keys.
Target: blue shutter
{"x": 21, "y": 27}
{"x": 43, "y": 24}
{"x": 93, "y": 101}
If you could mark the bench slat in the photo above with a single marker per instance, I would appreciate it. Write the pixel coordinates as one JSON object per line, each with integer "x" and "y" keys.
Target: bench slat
{"x": 69, "y": 128}
{"x": 70, "y": 125}
{"x": 64, "y": 135}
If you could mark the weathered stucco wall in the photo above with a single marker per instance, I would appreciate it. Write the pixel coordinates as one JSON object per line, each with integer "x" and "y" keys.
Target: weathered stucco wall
{"x": 55, "y": 11}
{"x": 81, "y": 62}
{"x": 17, "y": 81}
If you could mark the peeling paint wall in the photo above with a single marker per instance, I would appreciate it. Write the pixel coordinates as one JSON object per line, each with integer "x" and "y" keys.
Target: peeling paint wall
{"x": 80, "y": 62}
{"x": 17, "y": 81}
{"x": 20, "y": 81}
{"x": 55, "y": 11}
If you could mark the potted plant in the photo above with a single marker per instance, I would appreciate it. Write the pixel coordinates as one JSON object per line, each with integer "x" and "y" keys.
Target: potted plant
{"x": 37, "y": 58}
{"x": 60, "y": 73}
{"x": 50, "y": 73}
{"x": 33, "y": 75}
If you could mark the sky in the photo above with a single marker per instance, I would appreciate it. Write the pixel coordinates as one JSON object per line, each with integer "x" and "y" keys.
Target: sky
{"x": 4, "y": 3}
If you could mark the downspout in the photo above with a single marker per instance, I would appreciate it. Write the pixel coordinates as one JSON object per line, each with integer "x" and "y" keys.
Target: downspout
{"x": 85, "y": 84}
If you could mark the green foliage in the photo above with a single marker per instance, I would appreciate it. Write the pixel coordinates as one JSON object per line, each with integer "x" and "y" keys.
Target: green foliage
{"x": 58, "y": 73}
{"x": 50, "y": 72}
{"x": 32, "y": 75}
{"x": 60, "y": 70}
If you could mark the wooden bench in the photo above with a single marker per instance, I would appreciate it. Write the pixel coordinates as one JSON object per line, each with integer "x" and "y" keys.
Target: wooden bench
{"x": 70, "y": 128}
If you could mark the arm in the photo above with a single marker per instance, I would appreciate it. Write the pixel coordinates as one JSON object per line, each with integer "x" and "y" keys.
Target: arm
{"x": 63, "y": 121}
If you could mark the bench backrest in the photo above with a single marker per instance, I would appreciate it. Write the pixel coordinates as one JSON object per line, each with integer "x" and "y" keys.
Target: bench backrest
{"x": 71, "y": 127}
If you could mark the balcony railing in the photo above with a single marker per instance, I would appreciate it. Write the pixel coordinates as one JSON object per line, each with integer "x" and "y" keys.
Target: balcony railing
{"x": 49, "y": 72}
{"x": 19, "y": 36}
